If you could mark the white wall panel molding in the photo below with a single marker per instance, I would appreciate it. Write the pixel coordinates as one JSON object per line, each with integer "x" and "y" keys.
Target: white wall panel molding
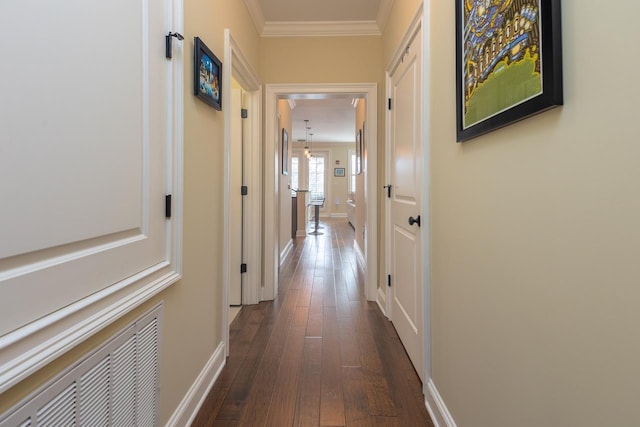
{"x": 89, "y": 240}
{"x": 31, "y": 348}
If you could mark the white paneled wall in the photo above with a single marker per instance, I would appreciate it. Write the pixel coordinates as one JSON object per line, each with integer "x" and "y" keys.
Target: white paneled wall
{"x": 116, "y": 385}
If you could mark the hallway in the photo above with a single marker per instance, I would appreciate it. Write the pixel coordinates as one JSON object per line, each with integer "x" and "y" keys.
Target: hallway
{"x": 320, "y": 354}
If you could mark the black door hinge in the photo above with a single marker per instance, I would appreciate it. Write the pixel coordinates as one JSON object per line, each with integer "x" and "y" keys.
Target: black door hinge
{"x": 243, "y": 268}
{"x": 167, "y": 206}
{"x": 244, "y": 113}
{"x": 388, "y": 280}
{"x": 389, "y": 103}
{"x": 244, "y": 190}
{"x": 388, "y": 188}
{"x": 167, "y": 43}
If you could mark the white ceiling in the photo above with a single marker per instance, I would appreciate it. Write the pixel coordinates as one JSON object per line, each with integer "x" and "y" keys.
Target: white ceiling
{"x": 331, "y": 120}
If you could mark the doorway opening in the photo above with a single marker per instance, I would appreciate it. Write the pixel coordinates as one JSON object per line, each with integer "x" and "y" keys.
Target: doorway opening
{"x": 272, "y": 173}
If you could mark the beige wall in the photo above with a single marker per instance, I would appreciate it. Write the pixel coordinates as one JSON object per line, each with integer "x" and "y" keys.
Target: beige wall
{"x": 192, "y": 304}
{"x": 284, "y": 214}
{"x": 535, "y": 273}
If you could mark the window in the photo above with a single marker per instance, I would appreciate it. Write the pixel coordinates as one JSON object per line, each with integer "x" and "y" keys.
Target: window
{"x": 316, "y": 177}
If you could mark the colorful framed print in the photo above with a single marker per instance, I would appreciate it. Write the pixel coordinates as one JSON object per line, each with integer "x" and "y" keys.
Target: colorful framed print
{"x": 508, "y": 62}
{"x": 207, "y": 75}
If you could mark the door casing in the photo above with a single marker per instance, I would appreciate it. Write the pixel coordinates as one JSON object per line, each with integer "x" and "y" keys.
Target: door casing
{"x": 271, "y": 250}
{"x": 421, "y": 16}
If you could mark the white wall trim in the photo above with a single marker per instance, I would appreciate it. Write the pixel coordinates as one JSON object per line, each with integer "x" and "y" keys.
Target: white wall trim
{"x": 275, "y": 91}
{"x": 31, "y": 347}
{"x": 188, "y": 408}
{"x": 337, "y": 215}
{"x": 440, "y": 415}
{"x": 255, "y": 11}
{"x": 301, "y": 233}
{"x": 383, "y": 14}
{"x": 288, "y": 250}
{"x": 321, "y": 29}
{"x": 237, "y": 65}
{"x": 28, "y": 361}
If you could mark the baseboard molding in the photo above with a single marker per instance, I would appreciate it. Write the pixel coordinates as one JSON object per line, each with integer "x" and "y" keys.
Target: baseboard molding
{"x": 338, "y": 215}
{"x": 359, "y": 255}
{"x": 440, "y": 415}
{"x": 192, "y": 401}
{"x": 286, "y": 252}
{"x": 382, "y": 301}
{"x": 301, "y": 233}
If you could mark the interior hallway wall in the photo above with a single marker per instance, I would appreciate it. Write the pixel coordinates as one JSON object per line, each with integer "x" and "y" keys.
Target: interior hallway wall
{"x": 284, "y": 181}
{"x": 192, "y": 305}
{"x": 535, "y": 239}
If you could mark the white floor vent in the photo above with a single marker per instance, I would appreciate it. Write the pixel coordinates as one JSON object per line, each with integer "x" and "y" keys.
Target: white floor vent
{"x": 116, "y": 385}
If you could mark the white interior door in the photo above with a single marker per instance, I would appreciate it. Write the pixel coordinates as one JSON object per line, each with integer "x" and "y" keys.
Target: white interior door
{"x": 406, "y": 172}
{"x": 235, "y": 220}
{"x": 85, "y": 117}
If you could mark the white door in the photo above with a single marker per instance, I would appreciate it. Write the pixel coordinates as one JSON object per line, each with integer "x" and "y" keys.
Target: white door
{"x": 406, "y": 172}
{"x": 85, "y": 141}
{"x": 235, "y": 199}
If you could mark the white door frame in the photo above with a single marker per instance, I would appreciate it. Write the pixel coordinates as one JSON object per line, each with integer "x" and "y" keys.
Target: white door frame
{"x": 385, "y": 299}
{"x": 271, "y": 255}
{"x": 237, "y": 65}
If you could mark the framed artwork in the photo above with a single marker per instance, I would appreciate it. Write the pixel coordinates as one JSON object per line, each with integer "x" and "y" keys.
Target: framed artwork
{"x": 207, "y": 75}
{"x": 359, "y": 152}
{"x": 284, "y": 155}
{"x": 508, "y": 62}
{"x": 338, "y": 172}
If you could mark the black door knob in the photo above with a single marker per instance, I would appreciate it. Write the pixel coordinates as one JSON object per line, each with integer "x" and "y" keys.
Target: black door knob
{"x": 413, "y": 220}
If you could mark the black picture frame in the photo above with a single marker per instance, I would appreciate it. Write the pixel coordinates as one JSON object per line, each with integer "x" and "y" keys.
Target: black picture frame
{"x": 284, "y": 154}
{"x": 515, "y": 41}
{"x": 207, "y": 75}
{"x": 339, "y": 172}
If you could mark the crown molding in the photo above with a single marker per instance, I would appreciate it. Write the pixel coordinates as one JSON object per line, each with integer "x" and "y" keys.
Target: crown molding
{"x": 383, "y": 14}
{"x": 320, "y": 28}
{"x": 255, "y": 11}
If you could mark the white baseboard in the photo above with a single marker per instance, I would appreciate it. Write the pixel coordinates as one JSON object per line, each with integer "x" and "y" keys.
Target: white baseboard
{"x": 338, "y": 215}
{"x": 286, "y": 252}
{"x": 192, "y": 401}
{"x": 301, "y": 233}
{"x": 382, "y": 301}
{"x": 359, "y": 255}
{"x": 440, "y": 415}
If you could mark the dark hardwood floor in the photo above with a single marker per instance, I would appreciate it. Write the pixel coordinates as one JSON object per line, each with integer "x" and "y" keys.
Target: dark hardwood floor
{"x": 320, "y": 354}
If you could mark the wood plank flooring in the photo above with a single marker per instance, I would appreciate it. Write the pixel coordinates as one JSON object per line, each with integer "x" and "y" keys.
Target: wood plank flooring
{"x": 320, "y": 354}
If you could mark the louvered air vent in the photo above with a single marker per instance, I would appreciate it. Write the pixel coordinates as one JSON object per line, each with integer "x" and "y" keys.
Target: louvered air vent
{"x": 116, "y": 385}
